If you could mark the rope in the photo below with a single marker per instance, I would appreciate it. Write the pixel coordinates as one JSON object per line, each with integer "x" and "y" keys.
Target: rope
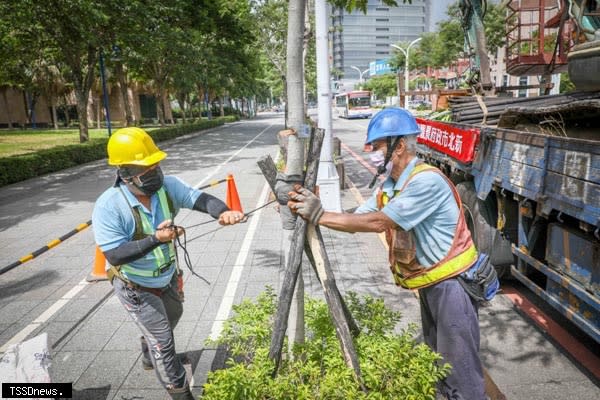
{"x": 186, "y": 256}
{"x": 244, "y": 220}
{"x": 483, "y": 108}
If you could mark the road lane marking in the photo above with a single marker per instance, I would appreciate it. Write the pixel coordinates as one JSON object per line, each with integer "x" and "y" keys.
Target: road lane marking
{"x": 45, "y": 316}
{"x": 218, "y": 168}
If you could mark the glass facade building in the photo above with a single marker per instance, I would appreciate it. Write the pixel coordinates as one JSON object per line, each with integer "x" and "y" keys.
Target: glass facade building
{"x": 358, "y": 39}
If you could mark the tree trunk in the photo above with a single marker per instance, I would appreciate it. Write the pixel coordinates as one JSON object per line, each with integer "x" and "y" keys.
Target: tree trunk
{"x": 98, "y": 113}
{"x": 54, "y": 116}
{"x": 122, "y": 79}
{"x": 8, "y": 112}
{"x": 167, "y": 107}
{"x": 221, "y": 107}
{"x": 82, "y": 115}
{"x": 295, "y": 158}
{"x": 67, "y": 114}
{"x": 286, "y": 122}
{"x": 32, "y": 99}
{"x": 52, "y": 101}
{"x": 82, "y": 83}
{"x": 295, "y": 84}
{"x": 181, "y": 101}
{"x": 307, "y": 35}
{"x": 159, "y": 105}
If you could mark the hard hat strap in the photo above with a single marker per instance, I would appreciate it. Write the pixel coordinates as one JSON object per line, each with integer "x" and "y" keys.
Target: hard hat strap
{"x": 390, "y": 150}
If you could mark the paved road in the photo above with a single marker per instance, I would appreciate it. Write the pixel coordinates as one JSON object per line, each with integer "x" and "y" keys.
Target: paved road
{"x": 95, "y": 346}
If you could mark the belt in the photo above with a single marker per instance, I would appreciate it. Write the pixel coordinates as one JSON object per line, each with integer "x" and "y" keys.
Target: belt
{"x": 155, "y": 291}
{"x": 114, "y": 273}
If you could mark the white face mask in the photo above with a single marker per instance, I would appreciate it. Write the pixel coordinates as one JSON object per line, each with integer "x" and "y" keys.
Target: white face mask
{"x": 377, "y": 160}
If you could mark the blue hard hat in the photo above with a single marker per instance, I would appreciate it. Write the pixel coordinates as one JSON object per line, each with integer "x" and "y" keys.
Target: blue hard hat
{"x": 392, "y": 121}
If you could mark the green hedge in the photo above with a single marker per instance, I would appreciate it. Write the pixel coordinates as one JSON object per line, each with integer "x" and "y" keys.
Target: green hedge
{"x": 26, "y": 166}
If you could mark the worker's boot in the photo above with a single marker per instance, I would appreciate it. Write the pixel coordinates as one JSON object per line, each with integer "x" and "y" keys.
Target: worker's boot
{"x": 146, "y": 362}
{"x": 183, "y": 393}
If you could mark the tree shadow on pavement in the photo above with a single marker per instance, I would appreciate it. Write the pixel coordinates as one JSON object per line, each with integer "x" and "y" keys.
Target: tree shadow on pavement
{"x": 99, "y": 393}
{"x": 18, "y": 287}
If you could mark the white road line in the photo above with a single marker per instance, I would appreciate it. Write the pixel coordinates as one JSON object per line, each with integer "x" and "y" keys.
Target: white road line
{"x": 45, "y": 316}
{"x": 236, "y": 273}
{"x": 231, "y": 157}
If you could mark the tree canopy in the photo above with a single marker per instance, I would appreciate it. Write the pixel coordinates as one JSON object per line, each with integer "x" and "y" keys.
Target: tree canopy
{"x": 191, "y": 47}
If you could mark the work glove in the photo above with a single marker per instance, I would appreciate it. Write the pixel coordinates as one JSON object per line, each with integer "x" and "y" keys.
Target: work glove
{"x": 306, "y": 204}
{"x": 284, "y": 185}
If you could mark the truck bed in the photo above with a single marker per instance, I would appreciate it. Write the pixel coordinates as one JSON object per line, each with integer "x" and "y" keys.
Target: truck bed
{"x": 548, "y": 188}
{"x": 559, "y": 173}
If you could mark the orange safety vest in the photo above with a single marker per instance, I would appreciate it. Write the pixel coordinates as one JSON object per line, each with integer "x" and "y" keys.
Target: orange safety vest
{"x": 406, "y": 270}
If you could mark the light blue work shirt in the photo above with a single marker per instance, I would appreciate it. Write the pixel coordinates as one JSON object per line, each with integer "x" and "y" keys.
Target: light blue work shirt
{"x": 113, "y": 223}
{"x": 426, "y": 205}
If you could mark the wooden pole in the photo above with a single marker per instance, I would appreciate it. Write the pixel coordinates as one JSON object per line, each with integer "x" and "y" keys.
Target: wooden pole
{"x": 315, "y": 250}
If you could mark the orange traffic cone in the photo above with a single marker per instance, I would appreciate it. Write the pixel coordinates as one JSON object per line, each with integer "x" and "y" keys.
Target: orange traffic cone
{"x": 233, "y": 200}
{"x": 99, "y": 271}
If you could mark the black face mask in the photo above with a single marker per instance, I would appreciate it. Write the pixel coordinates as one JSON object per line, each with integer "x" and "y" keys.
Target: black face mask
{"x": 150, "y": 182}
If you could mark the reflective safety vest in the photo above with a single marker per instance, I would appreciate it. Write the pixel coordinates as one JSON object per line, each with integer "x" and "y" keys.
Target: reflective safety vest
{"x": 144, "y": 228}
{"x": 406, "y": 270}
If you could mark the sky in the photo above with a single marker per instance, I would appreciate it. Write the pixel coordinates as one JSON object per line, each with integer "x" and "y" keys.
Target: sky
{"x": 438, "y": 11}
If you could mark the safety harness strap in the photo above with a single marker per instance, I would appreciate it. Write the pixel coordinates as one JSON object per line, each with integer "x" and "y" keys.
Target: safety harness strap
{"x": 461, "y": 255}
{"x": 144, "y": 228}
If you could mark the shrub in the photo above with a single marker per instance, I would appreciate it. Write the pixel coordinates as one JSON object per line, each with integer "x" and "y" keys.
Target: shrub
{"x": 21, "y": 167}
{"x": 393, "y": 366}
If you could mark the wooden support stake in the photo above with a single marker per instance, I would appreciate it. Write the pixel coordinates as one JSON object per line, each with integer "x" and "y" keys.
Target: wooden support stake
{"x": 315, "y": 251}
{"x": 269, "y": 170}
{"x": 334, "y": 300}
{"x": 295, "y": 256}
{"x": 354, "y": 329}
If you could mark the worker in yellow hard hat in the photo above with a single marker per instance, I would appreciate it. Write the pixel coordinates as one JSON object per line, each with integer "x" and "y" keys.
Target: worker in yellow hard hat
{"x": 133, "y": 226}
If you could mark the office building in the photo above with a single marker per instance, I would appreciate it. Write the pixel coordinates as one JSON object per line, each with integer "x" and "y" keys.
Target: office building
{"x": 359, "y": 39}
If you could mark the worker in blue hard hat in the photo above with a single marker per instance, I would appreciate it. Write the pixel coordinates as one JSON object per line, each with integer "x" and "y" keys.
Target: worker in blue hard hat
{"x": 430, "y": 245}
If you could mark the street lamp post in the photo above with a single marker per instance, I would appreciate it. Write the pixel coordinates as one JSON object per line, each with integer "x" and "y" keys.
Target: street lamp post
{"x": 104, "y": 92}
{"x": 406, "y": 57}
{"x": 360, "y": 73}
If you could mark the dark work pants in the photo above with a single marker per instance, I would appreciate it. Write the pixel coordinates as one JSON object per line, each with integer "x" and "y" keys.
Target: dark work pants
{"x": 156, "y": 316}
{"x": 451, "y": 328}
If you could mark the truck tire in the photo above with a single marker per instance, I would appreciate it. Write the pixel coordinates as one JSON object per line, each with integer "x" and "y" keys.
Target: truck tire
{"x": 487, "y": 239}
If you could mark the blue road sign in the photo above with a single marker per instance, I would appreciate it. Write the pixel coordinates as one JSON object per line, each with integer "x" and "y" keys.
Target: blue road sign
{"x": 379, "y": 67}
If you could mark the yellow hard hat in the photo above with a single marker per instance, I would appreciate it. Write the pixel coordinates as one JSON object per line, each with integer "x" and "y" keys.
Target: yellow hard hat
{"x": 133, "y": 146}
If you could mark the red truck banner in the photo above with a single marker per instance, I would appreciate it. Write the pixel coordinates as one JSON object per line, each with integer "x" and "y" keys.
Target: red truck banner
{"x": 458, "y": 143}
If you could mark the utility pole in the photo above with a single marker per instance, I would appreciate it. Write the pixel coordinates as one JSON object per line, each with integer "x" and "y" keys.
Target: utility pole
{"x": 327, "y": 177}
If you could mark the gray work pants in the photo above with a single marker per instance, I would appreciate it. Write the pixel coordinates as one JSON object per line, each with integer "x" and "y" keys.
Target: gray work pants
{"x": 451, "y": 328}
{"x": 156, "y": 316}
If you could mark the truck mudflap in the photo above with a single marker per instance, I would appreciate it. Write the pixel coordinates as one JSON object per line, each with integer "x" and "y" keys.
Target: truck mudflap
{"x": 563, "y": 293}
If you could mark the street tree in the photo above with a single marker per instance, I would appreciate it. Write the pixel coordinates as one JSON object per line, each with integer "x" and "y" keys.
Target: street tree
{"x": 29, "y": 63}
{"x": 295, "y": 84}
{"x": 382, "y": 86}
{"x": 271, "y": 33}
{"x": 73, "y": 32}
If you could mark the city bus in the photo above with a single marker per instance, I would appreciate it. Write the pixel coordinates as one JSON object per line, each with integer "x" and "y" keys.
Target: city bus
{"x": 355, "y": 104}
